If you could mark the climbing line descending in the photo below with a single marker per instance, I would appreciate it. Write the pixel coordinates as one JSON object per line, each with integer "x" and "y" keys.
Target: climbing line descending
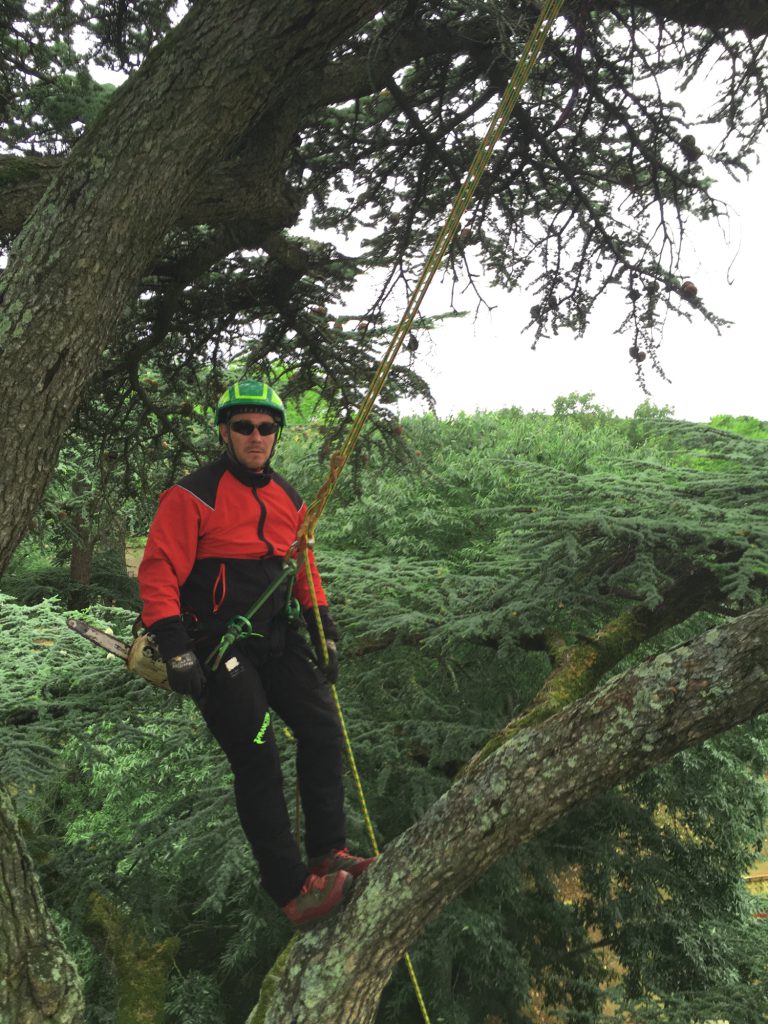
{"x": 347, "y": 742}
{"x": 356, "y": 775}
{"x": 305, "y": 537}
{"x": 549, "y": 13}
{"x": 374, "y": 844}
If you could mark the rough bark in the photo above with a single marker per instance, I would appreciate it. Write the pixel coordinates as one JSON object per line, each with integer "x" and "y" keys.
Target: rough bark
{"x": 39, "y": 984}
{"x": 635, "y": 721}
{"x": 78, "y": 260}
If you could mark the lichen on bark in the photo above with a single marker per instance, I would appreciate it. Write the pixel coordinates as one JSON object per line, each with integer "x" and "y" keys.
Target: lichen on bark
{"x": 141, "y": 964}
{"x": 39, "y": 983}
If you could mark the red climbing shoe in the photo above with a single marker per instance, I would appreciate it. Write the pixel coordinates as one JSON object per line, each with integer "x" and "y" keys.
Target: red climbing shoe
{"x": 340, "y": 860}
{"x": 319, "y": 895}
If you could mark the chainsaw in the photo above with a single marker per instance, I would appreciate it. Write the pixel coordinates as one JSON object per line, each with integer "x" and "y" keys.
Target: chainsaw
{"x": 142, "y": 656}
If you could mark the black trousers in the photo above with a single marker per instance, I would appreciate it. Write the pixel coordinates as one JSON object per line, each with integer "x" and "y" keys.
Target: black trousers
{"x": 238, "y": 707}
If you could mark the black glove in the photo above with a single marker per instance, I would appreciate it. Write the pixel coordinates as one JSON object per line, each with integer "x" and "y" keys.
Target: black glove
{"x": 330, "y": 670}
{"x": 171, "y": 636}
{"x": 185, "y": 674}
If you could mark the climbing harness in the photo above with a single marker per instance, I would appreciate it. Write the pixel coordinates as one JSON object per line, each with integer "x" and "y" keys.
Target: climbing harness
{"x": 240, "y": 627}
{"x": 305, "y": 538}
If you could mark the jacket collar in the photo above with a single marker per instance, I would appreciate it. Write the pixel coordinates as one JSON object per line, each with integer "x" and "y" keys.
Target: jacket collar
{"x": 249, "y": 477}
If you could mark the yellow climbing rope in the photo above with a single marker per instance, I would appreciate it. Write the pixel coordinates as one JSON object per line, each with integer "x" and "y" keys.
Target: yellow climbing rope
{"x": 305, "y": 538}
{"x": 356, "y": 775}
{"x": 549, "y": 13}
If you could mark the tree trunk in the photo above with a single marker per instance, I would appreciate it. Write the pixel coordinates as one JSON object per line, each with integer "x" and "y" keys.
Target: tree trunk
{"x": 114, "y": 541}
{"x": 81, "y": 562}
{"x": 80, "y": 572}
{"x": 639, "y": 719}
{"x": 39, "y": 984}
{"x": 77, "y": 264}
{"x": 80, "y": 559}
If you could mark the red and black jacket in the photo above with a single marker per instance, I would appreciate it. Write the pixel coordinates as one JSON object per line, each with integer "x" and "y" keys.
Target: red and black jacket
{"x": 219, "y": 538}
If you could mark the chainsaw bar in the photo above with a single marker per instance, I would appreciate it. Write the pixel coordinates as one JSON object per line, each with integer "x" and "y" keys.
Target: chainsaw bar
{"x": 104, "y": 640}
{"x": 141, "y": 657}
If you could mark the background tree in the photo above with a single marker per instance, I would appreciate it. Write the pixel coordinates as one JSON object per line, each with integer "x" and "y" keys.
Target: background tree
{"x": 451, "y": 629}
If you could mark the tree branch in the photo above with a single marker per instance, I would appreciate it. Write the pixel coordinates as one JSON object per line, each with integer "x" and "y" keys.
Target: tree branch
{"x": 638, "y": 720}
{"x": 580, "y": 667}
{"x": 749, "y": 16}
{"x": 40, "y": 980}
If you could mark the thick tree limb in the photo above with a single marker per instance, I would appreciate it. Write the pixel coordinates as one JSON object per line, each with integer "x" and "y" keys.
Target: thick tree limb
{"x": 79, "y": 259}
{"x": 40, "y": 983}
{"x": 249, "y": 182}
{"x": 749, "y": 16}
{"x": 238, "y": 187}
{"x": 634, "y": 722}
{"x": 579, "y": 667}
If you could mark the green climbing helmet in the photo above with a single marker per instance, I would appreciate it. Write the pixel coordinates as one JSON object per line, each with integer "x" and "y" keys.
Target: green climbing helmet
{"x": 250, "y": 396}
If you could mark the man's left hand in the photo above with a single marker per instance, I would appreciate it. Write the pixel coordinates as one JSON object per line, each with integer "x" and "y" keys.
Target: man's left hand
{"x": 330, "y": 670}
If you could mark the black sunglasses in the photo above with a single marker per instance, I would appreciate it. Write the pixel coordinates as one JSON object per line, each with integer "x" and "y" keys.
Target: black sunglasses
{"x": 246, "y": 428}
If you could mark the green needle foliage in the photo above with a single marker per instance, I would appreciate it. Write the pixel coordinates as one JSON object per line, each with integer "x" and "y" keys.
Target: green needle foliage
{"x": 469, "y": 572}
{"x": 598, "y": 160}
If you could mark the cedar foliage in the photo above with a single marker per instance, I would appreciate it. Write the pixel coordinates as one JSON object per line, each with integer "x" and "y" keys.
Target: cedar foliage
{"x": 446, "y": 568}
{"x": 598, "y": 160}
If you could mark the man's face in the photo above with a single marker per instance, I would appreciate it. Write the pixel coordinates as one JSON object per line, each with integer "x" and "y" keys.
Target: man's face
{"x": 254, "y": 450}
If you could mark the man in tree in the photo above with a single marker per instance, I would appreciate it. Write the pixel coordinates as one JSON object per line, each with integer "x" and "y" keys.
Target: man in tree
{"x": 218, "y": 554}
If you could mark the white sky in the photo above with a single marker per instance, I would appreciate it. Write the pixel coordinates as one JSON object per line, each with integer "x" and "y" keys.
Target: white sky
{"x": 488, "y": 363}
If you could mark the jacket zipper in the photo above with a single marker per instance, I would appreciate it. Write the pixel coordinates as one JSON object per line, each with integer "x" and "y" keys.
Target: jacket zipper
{"x": 261, "y": 524}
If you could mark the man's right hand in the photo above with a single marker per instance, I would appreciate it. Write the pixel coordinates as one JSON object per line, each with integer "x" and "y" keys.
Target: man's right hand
{"x": 185, "y": 674}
